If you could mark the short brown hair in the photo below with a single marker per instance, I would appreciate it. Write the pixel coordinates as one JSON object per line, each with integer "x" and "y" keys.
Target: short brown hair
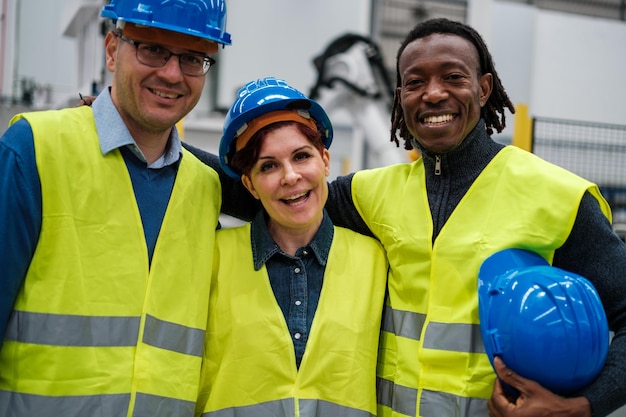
{"x": 245, "y": 159}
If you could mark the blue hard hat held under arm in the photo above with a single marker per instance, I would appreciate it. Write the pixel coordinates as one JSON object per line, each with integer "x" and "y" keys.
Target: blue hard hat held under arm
{"x": 201, "y": 18}
{"x": 546, "y": 324}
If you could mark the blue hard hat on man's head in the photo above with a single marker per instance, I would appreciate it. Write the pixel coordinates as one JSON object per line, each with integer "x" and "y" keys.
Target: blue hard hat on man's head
{"x": 259, "y": 98}
{"x": 546, "y": 324}
{"x": 204, "y": 19}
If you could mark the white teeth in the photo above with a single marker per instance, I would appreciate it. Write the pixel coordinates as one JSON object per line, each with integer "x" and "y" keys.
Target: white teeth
{"x": 295, "y": 197}
{"x": 438, "y": 119}
{"x": 160, "y": 94}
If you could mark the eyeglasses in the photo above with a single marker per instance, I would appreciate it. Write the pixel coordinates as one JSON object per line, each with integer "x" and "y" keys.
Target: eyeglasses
{"x": 157, "y": 56}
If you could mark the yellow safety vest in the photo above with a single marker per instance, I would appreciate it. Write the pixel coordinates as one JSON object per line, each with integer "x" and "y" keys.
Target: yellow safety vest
{"x": 433, "y": 361}
{"x": 95, "y": 331}
{"x": 250, "y": 366}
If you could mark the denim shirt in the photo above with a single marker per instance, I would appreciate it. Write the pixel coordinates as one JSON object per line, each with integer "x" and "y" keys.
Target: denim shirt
{"x": 296, "y": 280}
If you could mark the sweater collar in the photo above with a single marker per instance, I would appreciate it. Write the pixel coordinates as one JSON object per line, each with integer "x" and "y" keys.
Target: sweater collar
{"x": 467, "y": 159}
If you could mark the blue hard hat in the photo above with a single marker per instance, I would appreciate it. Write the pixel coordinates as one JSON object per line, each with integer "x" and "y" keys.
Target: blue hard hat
{"x": 546, "y": 324}
{"x": 201, "y": 18}
{"x": 263, "y": 96}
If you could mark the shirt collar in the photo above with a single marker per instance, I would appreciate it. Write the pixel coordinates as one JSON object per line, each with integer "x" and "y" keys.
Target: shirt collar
{"x": 264, "y": 247}
{"x": 114, "y": 134}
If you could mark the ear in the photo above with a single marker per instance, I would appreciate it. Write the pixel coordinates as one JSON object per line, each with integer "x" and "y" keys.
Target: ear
{"x": 247, "y": 182}
{"x": 111, "y": 44}
{"x": 326, "y": 159}
{"x": 486, "y": 86}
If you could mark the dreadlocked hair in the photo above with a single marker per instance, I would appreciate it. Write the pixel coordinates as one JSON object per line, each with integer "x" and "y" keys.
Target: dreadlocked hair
{"x": 492, "y": 112}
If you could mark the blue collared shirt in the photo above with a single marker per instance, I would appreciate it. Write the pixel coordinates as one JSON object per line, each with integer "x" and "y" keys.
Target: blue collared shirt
{"x": 296, "y": 280}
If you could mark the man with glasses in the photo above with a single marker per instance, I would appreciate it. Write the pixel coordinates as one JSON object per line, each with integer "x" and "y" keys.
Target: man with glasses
{"x": 107, "y": 240}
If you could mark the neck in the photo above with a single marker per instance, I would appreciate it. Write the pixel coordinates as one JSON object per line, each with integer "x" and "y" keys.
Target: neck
{"x": 152, "y": 145}
{"x": 151, "y": 140}
{"x": 153, "y": 151}
{"x": 291, "y": 239}
{"x": 468, "y": 159}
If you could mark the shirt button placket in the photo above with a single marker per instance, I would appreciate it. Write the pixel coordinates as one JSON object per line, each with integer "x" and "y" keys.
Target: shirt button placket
{"x": 301, "y": 316}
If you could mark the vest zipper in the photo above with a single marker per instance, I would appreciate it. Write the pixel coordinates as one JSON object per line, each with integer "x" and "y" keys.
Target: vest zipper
{"x": 437, "y": 165}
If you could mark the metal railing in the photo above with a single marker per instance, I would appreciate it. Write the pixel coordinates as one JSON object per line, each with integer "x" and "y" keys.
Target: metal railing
{"x": 595, "y": 151}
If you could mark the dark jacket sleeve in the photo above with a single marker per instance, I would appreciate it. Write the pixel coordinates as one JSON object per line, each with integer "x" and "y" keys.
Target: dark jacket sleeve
{"x": 594, "y": 251}
{"x": 341, "y": 208}
{"x": 236, "y": 200}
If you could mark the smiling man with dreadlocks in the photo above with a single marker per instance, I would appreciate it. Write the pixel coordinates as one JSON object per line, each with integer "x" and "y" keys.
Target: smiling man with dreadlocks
{"x": 439, "y": 217}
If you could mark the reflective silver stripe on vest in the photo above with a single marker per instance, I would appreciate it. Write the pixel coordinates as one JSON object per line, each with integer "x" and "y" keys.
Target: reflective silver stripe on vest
{"x": 69, "y": 330}
{"x": 174, "y": 337}
{"x": 403, "y": 323}
{"x": 278, "y": 408}
{"x": 398, "y": 398}
{"x": 432, "y": 404}
{"x": 15, "y": 404}
{"x": 437, "y": 404}
{"x": 285, "y": 408}
{"x": 319, "y": 408}
{"x": 454, "y": 337}
{"x": 147, "y": 405}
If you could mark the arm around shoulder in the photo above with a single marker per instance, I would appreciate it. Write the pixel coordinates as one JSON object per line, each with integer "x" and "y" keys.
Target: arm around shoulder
{"x": 236, "y": 200}
{"x": 341, "y": 208}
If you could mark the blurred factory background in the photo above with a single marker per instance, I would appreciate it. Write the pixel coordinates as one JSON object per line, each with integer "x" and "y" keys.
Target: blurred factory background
{"x": 561, "y": 61}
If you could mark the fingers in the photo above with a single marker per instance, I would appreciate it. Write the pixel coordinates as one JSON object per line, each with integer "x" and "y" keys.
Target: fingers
{"x": 506, "y": 391}
{"x": 499, "y": 366}
{"x": 85, "y": 100}
{"x": 504, "y": 373}
{"x": 513, "y": 383}
{"x": 499, "y": 402}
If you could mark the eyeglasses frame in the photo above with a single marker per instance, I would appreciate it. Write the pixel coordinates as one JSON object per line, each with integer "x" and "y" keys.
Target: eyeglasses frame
{"x": 136, "y": 44}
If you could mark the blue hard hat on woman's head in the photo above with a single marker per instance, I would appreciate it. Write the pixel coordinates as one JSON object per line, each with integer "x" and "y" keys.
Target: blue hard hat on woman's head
{"x": 546, "y": 324}
{"x": 254, "y": 102}
{"x": 204, "y": 19}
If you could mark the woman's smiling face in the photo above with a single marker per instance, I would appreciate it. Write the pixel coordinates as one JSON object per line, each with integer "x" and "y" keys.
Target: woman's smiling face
{"x": 289, "y": 178}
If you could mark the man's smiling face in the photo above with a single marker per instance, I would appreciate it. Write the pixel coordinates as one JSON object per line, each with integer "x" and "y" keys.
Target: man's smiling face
{"x": 442, "y": 90}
